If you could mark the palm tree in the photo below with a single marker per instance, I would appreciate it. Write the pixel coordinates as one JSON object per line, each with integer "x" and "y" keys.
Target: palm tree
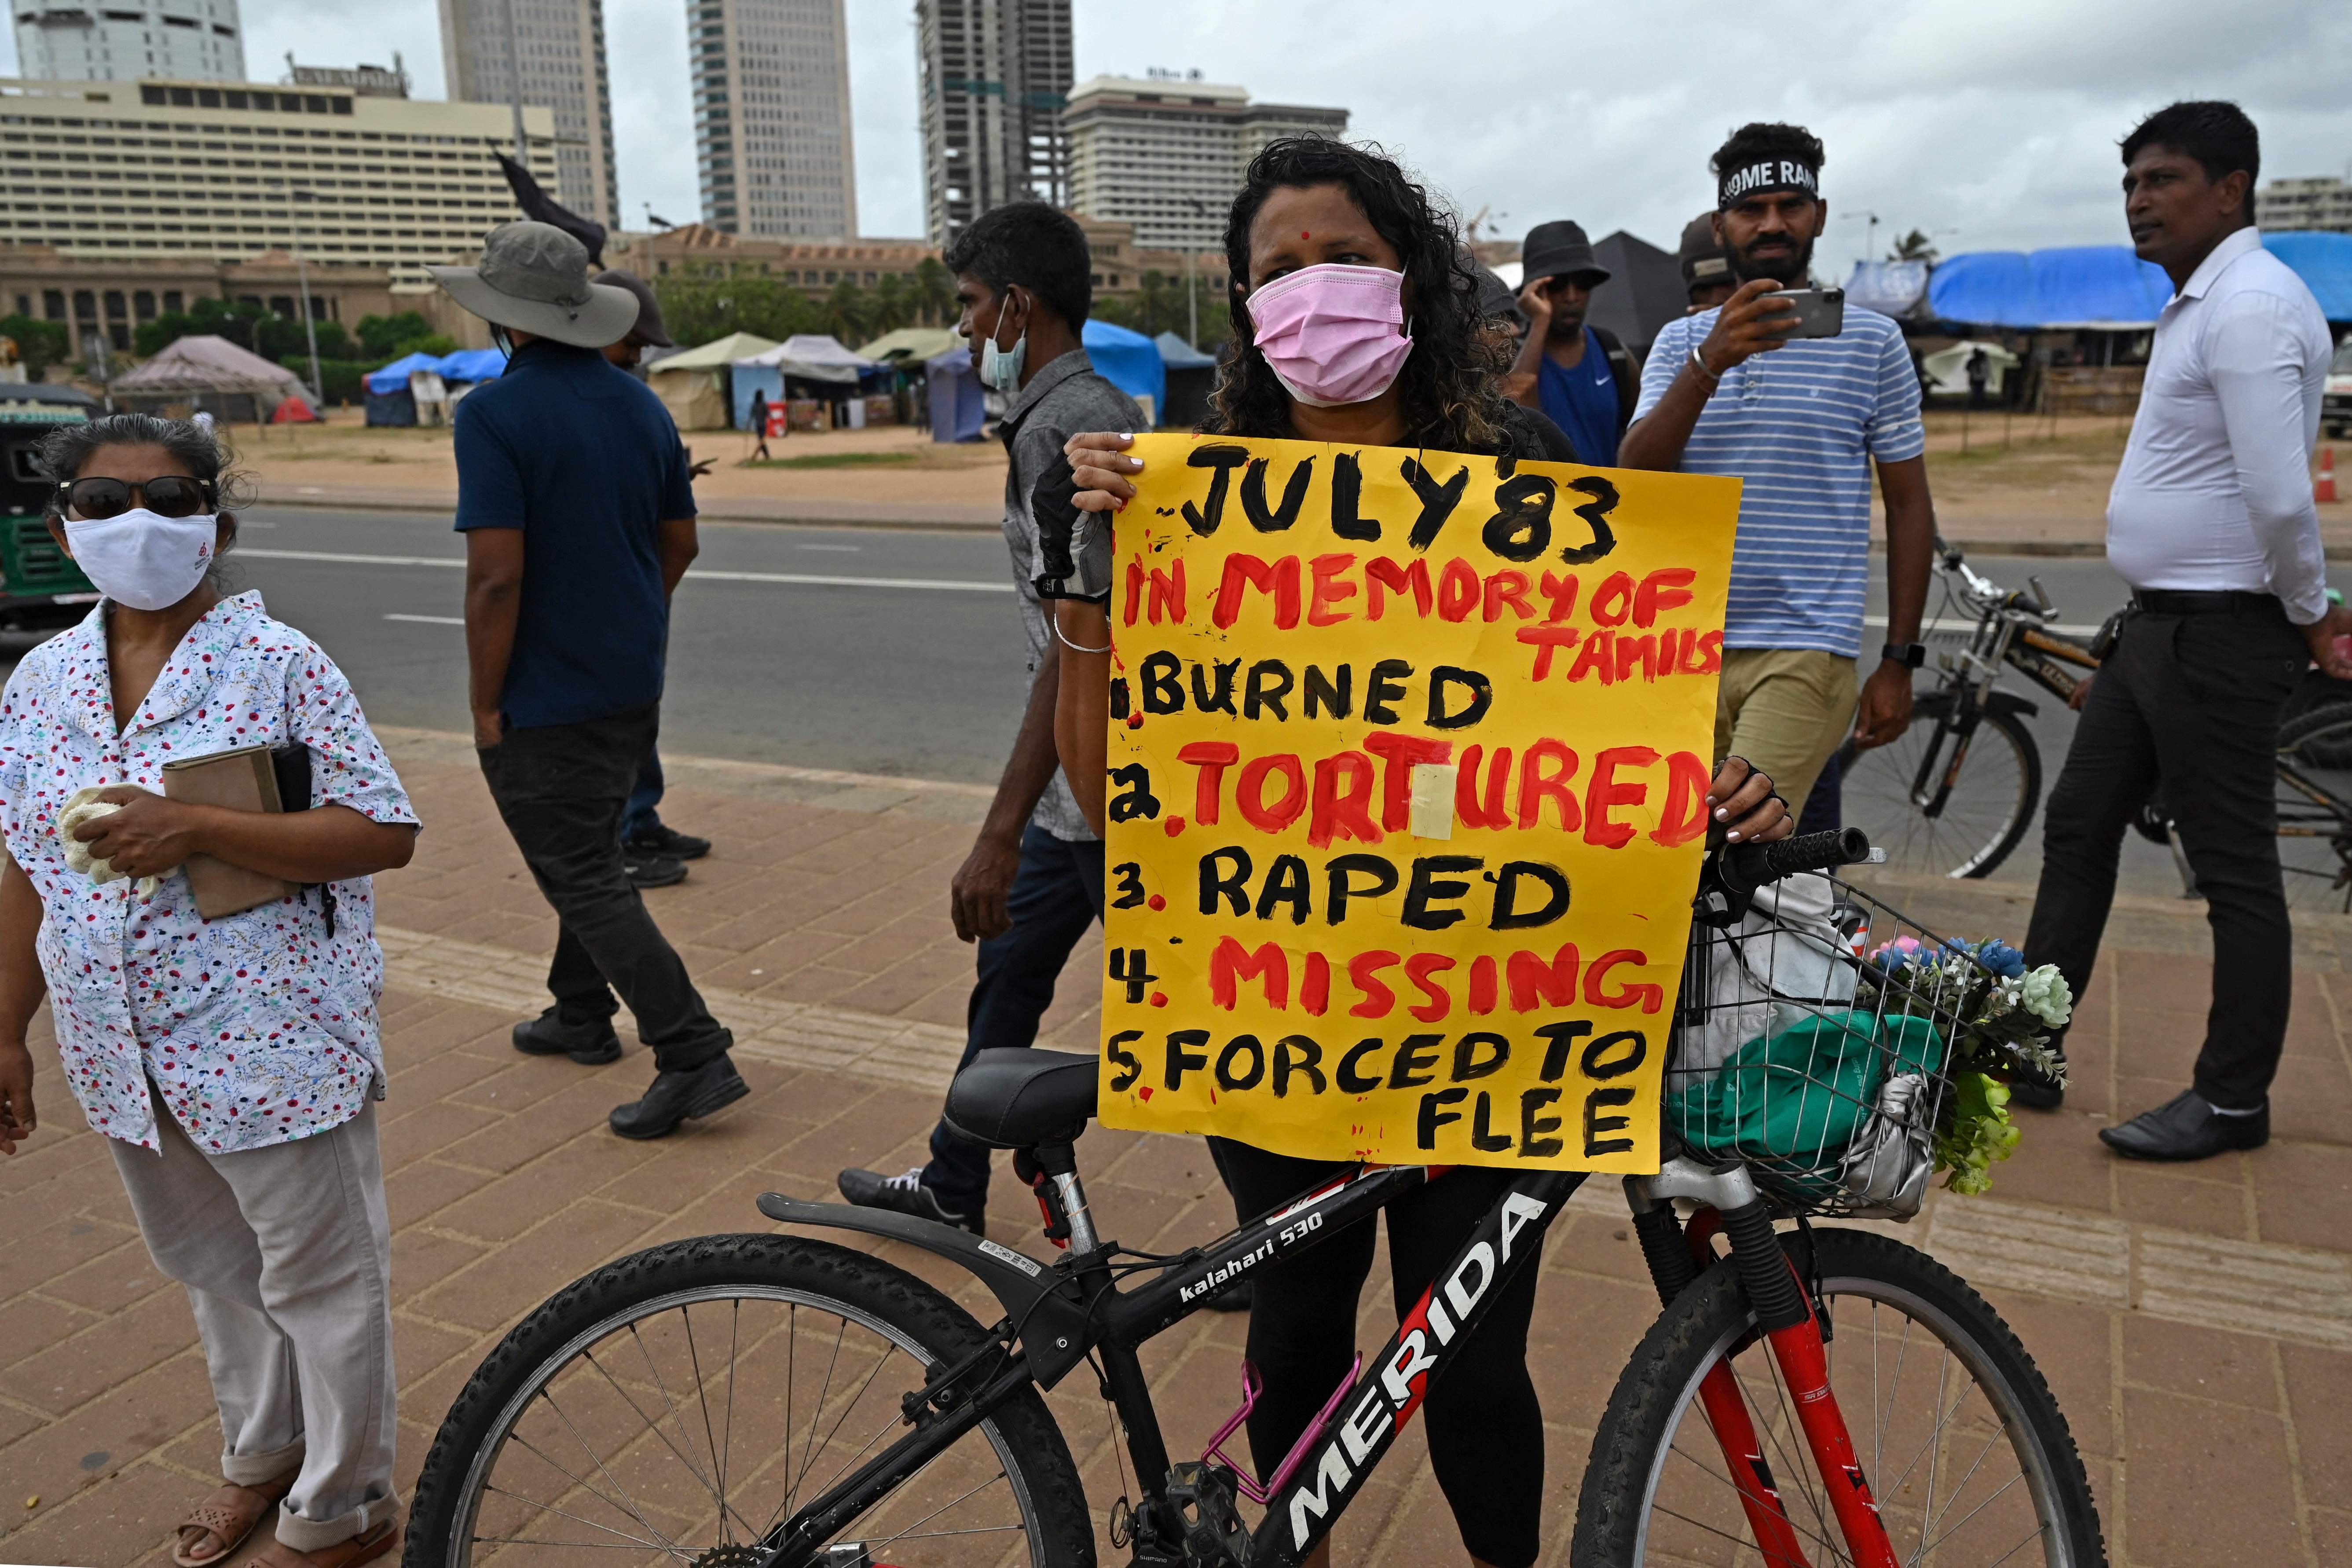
{"x": 848, "y": 312}
{"x": 893, "y": 304}
{"x": 934, "y": 292}
{"x": 1913, "y": 247}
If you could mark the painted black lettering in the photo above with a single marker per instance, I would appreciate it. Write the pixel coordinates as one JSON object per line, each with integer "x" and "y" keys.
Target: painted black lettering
{"x": 1226, "y": 672}
{"x": 1595, "y": 1124}
{"x": 1294, "y": 494}
{"x": 1181, "y": 1060}
{"x": 1270, "y": 681}
{"x": 1127, "y": 882}
{"x": 1560, "y": 1041}
{"x": 1384, "y": 689}
{"x": 1415, "y": 1060}
{"x": 1340, "y": 869}
{"x": 1508, "y": 915}
{"x": 1481, "y": 690}
{"x": 1597, "y": 1063}
{"x": 1535, "y": 1130}
{"x": 1232, "y": 1077}
{"x": 1437, "y": 502}
{"x": 1327, "y": 695}
{"x": 1432, "y": 1118}
{"x": 1595, "y": 513}
{"x": 1217, "y": 881}
{"x": 1126, "y": 1068}
{"x": 1431, "y": 880}
{"x": 1297, "y": 1054}
{"x": 1520, "y": 529}
{"x": 1120, "y": 702}
{"x": 1468, "y": 1064}
{"x": 1135, "y": 797}
{"x": 1347, "y": 495}
{"x": 1482, "y": 1136}
{"x": 1286, "y": 887}
{"x": 1224, "y": 459}
{"x": 1346, "y": 1076}
{"x": 1163, "y": 683}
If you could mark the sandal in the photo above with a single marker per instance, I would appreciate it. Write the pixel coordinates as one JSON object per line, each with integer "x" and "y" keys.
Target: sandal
{"x": 228, "y": 1516}
{"x": 348, "y": 1553}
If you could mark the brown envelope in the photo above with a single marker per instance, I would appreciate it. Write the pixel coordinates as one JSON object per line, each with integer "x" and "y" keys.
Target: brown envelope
{"x": 239, "y": 780}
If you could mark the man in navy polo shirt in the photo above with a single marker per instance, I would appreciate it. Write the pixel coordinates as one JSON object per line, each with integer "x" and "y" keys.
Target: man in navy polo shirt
{"x": 573, "y": 497}
{"x": 1582, "y": 378}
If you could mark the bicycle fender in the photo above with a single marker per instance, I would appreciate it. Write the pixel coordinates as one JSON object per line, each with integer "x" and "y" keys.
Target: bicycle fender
{"x": 2010, "y": 702}
{"x": 1041, "y": 1299}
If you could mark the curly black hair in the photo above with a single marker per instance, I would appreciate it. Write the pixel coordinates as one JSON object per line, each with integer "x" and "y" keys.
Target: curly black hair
{"x": 1452, "y": 399}
{"x": 1762, "y": 139}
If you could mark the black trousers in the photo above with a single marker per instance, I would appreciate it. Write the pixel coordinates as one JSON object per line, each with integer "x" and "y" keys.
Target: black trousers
{"x": 2189, "y": 703}
{"x": 1057, "y": 894}
{"x": 1485, "y": 1429}
{"x": 561, "y": 789}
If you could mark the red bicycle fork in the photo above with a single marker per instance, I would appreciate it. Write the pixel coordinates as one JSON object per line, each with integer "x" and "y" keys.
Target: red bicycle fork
{"x": 1784, "y": 1310}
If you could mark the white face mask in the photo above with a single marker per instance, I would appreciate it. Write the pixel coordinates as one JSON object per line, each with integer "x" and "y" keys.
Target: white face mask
{"x": 143, "y": 559}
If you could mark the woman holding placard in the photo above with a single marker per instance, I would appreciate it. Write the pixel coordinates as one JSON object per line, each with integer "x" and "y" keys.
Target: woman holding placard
{"x": 1357, "y": 324}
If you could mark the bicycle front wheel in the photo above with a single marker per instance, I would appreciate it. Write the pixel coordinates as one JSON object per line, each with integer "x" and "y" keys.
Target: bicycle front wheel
{"x": 675, "y": 1406}
{"x": 1959, "y": 1438}
{"x": 1982, "y": 818}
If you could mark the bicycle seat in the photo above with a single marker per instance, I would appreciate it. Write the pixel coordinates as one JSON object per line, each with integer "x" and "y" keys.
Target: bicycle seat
{"x": 1023, "y": 1096}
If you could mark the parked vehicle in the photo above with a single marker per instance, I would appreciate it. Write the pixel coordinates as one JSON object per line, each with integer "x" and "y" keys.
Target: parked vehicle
{"x": 40, "y": 587}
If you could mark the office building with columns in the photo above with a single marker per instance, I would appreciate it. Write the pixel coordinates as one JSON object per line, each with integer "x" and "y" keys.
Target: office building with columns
{"x": 122, "y": 40}
{"x": 1167, "y": 153}
{"x": 771, "y": 123}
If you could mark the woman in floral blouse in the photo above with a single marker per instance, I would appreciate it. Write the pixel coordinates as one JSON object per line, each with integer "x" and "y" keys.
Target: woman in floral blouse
{"x": 233, "y": 1063}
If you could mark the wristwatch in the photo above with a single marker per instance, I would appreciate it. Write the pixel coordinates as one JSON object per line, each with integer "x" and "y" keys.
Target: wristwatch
{"x": 1909, "y": 655}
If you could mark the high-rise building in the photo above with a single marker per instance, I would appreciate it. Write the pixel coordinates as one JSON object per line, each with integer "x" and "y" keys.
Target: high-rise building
{"x": 122, "y": 40}
{"x": 2324, "y": 202}
{"x": 994, "y": 77}
{"x": 561, "y": 46}
{"x": 772, "y": 117}
{"x": 1167, "y": 153}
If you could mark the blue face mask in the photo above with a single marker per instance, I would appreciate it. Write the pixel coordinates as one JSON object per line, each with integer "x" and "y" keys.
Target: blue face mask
{"x": 1000, "y": 369}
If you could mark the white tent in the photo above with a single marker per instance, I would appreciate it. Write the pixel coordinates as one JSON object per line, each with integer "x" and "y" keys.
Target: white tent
{"x": 813, "y": 357}
{"x": 1948, "y": 369}
{"x": 692, "y": 382}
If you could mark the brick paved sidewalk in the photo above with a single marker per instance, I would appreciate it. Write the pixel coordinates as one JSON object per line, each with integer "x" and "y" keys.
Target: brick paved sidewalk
{"x": 2197, "y": 1323}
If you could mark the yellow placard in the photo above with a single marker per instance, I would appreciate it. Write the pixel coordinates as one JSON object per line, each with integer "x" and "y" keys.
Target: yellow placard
{"x": 1408, "y": 765}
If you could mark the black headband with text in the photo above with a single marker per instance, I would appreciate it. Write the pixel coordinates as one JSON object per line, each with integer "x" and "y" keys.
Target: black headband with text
{"x": 1767, "y": 174}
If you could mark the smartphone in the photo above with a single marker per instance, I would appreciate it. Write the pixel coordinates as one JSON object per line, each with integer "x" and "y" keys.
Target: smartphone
{"x": 1820, "y": 312}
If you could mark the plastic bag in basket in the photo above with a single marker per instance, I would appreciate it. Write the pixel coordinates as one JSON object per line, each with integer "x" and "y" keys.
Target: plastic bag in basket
{"x": 1790, "y": 1103}
{"x": 1785, "y": 961}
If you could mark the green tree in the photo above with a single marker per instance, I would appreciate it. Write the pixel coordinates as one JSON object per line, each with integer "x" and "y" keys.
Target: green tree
{"x": 699, "y": 309}
{"x": 934, "y": 292}
{"x": 39, "y": 345}
{"x": 848, "y": 312}
{"x": 1913, "y": 247}
{"x": 386, "y": 338}
{"x": 894, "y": 305}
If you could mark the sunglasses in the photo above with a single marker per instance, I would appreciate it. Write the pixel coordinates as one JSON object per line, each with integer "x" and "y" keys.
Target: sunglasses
{"x": 169, "y": 495}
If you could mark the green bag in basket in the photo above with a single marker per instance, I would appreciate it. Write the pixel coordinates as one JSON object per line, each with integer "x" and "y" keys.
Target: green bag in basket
{"x": 1790, "y": 1101}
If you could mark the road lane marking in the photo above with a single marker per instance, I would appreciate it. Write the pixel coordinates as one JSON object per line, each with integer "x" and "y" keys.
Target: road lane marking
{"x": 794, "y": 579}
{"x": 431, "y": 620}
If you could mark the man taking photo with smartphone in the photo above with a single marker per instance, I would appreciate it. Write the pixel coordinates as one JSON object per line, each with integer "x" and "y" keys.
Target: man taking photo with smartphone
{"x": 1774, "y": 389}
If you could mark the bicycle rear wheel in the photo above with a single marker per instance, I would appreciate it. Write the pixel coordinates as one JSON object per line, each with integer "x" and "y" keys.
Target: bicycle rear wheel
{"x": 1967, "y": 1452}
{"x": 1984, "y": 817}
{"x": 673, "y": 1406}
{"x": 2315, "y": 808}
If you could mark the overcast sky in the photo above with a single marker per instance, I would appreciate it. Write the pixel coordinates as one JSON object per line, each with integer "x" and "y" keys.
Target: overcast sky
{"x": 1994, "y": 120}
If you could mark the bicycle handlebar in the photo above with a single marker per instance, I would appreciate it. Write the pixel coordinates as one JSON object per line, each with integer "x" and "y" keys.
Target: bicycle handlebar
{"x": 1753, "y": 865}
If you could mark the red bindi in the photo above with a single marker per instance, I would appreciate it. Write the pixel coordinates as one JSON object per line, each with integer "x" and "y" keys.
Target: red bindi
{"x": 1304, "y": 235}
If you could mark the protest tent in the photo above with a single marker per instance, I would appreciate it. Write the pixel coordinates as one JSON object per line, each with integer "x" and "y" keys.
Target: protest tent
{"x": 955, "y": 397}
{"x": 910, "y": 346}
{"x": 2096, "y": 288}
{"x": 472, "y": 364}
{"x": 1190, "y": 376}
{"x": 1948, "y": 369}
{"x": 210, "y": 373}
{"x": 823, "y": 367}
{"x": 385, "y": 395}
{"x": 692, "y": 383}
{"x": 1889, "y": 288}
{"x": 2324, "y": 262}
{"x": 1130, "y": 362}
{"x": 1645, "y": 290}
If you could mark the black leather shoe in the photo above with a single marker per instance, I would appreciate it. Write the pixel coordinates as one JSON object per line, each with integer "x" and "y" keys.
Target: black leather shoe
{"x": 667, "y": 843}
{"x": 906, "y": 1194}
{"x": 590, "y": 1042}
{"x": 676, "y": 1097}
{"x": 2034, "y": 1091}
{"x": 2187, "y": 1128}
{"x": 653, "y": 870}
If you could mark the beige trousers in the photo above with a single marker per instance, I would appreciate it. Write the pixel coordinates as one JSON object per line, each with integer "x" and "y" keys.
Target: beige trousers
{"x": 286, "y": 1252}
{"x": 1787, "y": 710}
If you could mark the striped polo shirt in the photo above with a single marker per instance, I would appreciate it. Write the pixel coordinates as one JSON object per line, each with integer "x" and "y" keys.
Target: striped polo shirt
{"x": 1798, "y": 426}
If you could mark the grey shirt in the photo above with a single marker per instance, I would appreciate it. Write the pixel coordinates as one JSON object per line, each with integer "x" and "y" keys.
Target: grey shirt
{"x": 1065, "y": 398}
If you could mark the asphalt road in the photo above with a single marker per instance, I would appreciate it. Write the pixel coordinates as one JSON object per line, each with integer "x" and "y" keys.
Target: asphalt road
{"x": 869, "y": 650}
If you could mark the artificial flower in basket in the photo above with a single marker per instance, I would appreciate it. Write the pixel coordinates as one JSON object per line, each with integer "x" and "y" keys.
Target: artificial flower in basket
{"x": 2005, "y": 1012}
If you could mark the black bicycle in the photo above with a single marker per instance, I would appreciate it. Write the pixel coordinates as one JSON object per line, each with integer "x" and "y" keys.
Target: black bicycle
{"x": 1955, "y": 794}
{"x": 1817, "y": 1395}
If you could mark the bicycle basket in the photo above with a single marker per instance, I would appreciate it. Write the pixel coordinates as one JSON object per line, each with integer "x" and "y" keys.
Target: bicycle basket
{"x": 1804, "y": 1047}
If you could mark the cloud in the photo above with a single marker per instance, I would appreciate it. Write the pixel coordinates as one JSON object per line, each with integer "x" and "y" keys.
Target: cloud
{"x": 1994, "y": 120}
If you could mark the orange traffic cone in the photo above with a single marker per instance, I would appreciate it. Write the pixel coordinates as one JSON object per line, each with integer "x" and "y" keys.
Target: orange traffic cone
{"x": 2324, "y": 488}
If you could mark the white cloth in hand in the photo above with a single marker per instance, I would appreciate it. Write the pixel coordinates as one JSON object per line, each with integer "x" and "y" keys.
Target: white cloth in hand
{"x": 83, "y": 805}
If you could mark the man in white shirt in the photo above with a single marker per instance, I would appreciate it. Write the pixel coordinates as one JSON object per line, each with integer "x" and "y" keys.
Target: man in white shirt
{"x": 2210, "y": 521}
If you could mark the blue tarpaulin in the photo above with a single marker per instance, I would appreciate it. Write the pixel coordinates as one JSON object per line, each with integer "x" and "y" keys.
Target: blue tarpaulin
{"x": 953, "y": 391}
{"x": 2102, "y": 286}
{"x": 2324, "y": 262}
{"x": 393, "y": 377}
{"x": 1128, "y": 360}
{"x": 472, "y": 364}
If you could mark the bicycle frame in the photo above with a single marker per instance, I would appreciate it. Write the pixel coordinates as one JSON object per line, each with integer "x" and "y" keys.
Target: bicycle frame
{"x": 1074, "y": 1307}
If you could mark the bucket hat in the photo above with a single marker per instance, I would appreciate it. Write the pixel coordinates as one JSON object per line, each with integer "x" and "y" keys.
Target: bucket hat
{"x": 1560, "y": 249}
{"x": 534, "y": 277}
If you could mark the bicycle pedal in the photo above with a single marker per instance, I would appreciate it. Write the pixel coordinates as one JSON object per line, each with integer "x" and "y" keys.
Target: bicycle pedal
{"x": 1203, "y": 1498}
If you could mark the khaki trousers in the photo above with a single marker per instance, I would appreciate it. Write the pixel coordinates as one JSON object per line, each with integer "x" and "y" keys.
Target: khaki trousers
{"x": 1787, "y": 710}
{"x": 286, "y": 1252}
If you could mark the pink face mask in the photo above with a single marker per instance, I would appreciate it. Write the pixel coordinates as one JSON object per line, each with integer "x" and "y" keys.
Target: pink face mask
{"x": 1333, "y": 334}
